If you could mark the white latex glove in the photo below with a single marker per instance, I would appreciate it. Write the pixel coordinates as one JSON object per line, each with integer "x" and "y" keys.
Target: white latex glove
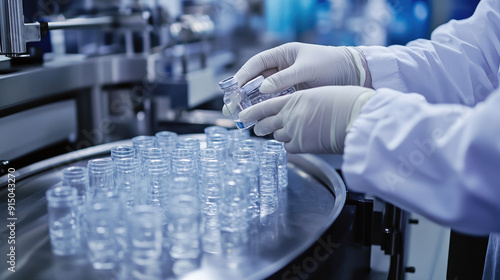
{"x": 305, "y": 66}
{"x": 310, "y": 121}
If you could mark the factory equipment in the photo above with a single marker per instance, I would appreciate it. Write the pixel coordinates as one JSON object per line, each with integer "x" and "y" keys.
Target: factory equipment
{"x": 115, "y": 69}
{"x": 77, "y": 78}
{"x": 321, "y": 230}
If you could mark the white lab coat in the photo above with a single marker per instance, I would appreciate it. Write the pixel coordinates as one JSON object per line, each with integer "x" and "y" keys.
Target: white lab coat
{"x": 435, "y": 153}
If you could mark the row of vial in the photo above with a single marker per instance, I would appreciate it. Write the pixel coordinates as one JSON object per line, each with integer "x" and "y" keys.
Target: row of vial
{"x": 165, "y": 201}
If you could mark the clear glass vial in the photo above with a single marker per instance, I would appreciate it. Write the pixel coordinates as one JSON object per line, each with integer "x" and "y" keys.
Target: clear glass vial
{"x": 268, "y": 183}
{"x": 209, "y": 182}
{"x": 184, "y": 227}
{"x": 236, "y": 100}
{"x": 235, "y": 137}
{"x": 215, "y": 129}
{"x": 184, "y": 163}
{"x": 144, "y": 227}
{"x": 252, "y": 90}
{"x": 250, "y": 144}
{"x": 118, "y": 152}
{"x": 102, "y": 220}
{"x": 145, "y": 244}
{"x": 233, "y": 216}
{"x": 157, "y": 176}
{"x": 166, "y": 140}
{"x": 209, "y": 154}
{"x": 126, "y": 180}
{"x": 192, "y": 144}
{"x": 76, "y": 177}
{"x": 100, "y": 176}
{"x": 279, "y": 148}
{"x": 64, "y": 226}
{"x": 219, "y": 142}
{"x": 248, "y": 161}
{"x": 141, "y": 143}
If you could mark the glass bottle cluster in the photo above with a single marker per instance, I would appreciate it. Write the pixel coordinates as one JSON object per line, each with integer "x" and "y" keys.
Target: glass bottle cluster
{"x": 154, "y": 208}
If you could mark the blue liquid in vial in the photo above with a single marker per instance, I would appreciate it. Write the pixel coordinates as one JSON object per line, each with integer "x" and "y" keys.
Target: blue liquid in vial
{"x": 242, "y": 125}
{"x": 239, "y": 124}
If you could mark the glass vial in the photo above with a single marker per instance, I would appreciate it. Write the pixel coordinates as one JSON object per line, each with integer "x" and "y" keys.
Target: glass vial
{"x": 166, "y": 140}
{"x": 76, "y": 177}
{"x": 122, "y": 152}
{"x": 157, "y": 175}
{"x": 219, "y": 142}
{"x": 102, "y": 221}
{"x": 209, "y": 182}
{"x": 250, "y": 144}
{"x": 248, "y": 161}
{"x": 251, "y": 88}
{"x": 126, "y": 180}
{"x": 64, "y": 226}
{"x": 268, "y": 183}
{"x": 233, "y": 216}
{"x": 215, "y": 129}
{"x": 184, "y": 233}
{"x": 184, "y": 163}
{"x": 209, "y": 154}
{"x": 145, "y": 243}
{"x": 235, "y": 137}
{"x": 235, "y": 100}
{"x": 279, "y": 148}
{"x": 189, "y": 143}
{"x": 142, "y": 143}
{"x": 101, "y": 178}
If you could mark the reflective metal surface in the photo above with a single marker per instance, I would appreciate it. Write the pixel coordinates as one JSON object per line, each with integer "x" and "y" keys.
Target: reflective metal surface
{"x": 133, "y": 21}
{"x": 309, "y": 206}
{"x": 71, "y": 73}
{"x": 14, "y": 32}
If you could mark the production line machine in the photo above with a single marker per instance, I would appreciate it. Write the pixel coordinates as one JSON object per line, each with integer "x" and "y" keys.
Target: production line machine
{"x": 95, "y": 74}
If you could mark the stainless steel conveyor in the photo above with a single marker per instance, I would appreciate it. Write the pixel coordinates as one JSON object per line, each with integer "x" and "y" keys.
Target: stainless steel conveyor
{"x": 313, "y": 200}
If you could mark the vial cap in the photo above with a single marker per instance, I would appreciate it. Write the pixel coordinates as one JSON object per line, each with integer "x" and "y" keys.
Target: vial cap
{"x": 253, "y": 84}
{"x": 227, "y": 82}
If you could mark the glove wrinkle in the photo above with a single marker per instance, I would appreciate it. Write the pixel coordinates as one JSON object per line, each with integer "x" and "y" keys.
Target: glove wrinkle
{"x": 322, "y": 133}
{"x": 306, "y": 65}
{"x": 264, "y": 109}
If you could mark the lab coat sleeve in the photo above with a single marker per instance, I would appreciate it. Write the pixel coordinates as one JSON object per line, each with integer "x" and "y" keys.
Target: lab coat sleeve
{"x": 458, "y": 65}
{"x": 438, "y": 160}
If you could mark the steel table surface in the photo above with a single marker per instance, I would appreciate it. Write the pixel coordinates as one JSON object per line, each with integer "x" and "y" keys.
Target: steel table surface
{"x": 311, "y": 203}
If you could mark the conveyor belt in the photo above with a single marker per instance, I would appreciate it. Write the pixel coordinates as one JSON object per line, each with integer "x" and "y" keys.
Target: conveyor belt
{"x": 313, "y": 200}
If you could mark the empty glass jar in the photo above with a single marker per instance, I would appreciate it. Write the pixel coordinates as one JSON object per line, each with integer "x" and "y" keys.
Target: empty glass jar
{"x": 64, "y": 224}
{"x": 236, "y": 100}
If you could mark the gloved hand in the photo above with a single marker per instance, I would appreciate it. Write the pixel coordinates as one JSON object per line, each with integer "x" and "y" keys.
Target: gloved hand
{"x": 306, "y": 66}
{"x": 310, "y": 121}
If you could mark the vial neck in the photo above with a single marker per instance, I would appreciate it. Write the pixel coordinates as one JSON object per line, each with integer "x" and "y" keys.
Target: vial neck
{"x": 231, "y": 87}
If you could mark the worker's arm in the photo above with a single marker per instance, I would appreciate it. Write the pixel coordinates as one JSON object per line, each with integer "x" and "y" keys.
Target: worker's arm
{"x": 438, "y": 160}
{"x": 459, "y": 64}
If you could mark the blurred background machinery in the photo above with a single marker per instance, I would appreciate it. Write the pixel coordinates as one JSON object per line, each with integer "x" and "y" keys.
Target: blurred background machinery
{"x": 115, "y": 69}
{"x": 79, "y": 73}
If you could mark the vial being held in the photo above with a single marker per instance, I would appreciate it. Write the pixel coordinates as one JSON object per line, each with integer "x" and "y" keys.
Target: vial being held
{"x": 236, "y": 100}
{"x": 252, "y": 90}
